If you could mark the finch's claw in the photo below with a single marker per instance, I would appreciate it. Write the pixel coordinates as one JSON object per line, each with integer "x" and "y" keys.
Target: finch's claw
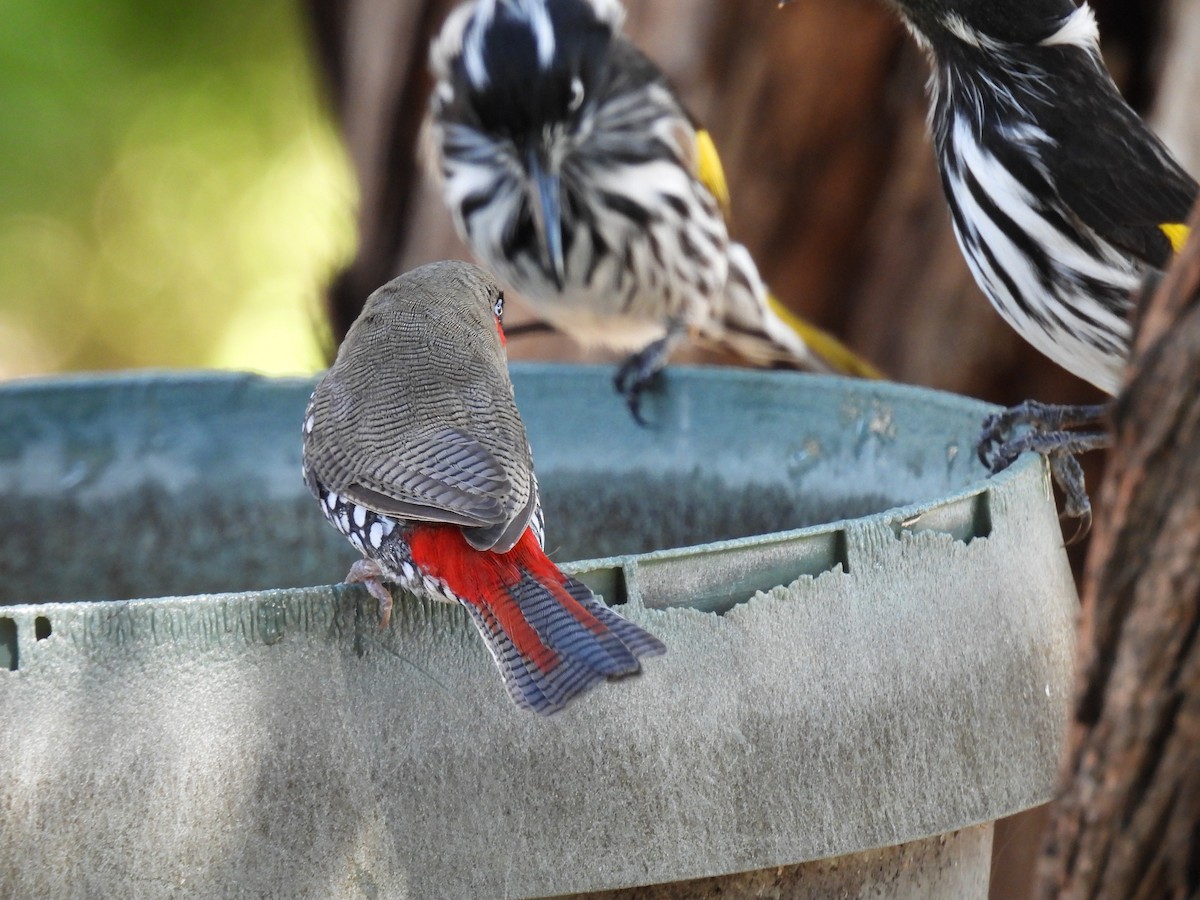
{"x": 367, "y": 573}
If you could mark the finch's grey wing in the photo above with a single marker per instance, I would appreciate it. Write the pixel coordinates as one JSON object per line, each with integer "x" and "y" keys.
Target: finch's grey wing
{"x": 503, "y": 536}
{"x": 416, "y": 417}
{"x": 450, "y": 478}
{"x": 445, "y": 475}
{"x": 436, "y": 473}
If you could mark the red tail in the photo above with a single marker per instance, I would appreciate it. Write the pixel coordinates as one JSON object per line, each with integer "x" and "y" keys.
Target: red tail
{"x": 550, "y": 637}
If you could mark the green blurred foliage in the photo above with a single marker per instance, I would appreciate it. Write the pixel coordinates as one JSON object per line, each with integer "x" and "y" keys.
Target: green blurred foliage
{"x": 171, "y": 192}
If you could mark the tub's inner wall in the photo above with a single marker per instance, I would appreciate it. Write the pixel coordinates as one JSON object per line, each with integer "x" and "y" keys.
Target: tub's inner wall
{"x": 174, "y": 485}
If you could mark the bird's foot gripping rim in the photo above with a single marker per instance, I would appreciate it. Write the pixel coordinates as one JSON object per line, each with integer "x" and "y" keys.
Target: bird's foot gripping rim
{"x": 1046, "y": 429}
{"x": 642, "y": 369}
{"x": 368, "y": 573}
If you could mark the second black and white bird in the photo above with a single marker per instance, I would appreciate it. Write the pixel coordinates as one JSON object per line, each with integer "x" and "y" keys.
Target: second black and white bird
{"x": 573, "y": 171}
{"x": 1064, "y": 202}
{"x": 1062, "y": 198}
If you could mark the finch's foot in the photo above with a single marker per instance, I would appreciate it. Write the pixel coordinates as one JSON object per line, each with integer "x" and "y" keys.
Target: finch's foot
{"x": 367, "y": 573}
{"x": 644, "y": 368}
{"x": 1047, "y": 431}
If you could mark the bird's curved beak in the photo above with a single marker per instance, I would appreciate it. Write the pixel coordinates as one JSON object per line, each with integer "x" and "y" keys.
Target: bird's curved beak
{"x": 547, "y": 214}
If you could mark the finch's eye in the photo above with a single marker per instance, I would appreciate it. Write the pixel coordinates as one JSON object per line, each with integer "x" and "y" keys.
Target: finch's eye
{"x": 498, "y": 306}
{"x": 576, "y": 100}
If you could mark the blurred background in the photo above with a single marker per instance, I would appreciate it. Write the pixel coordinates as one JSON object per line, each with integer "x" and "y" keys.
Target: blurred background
{"x": 172, "y": 192}
{"x": 182, "y": 184}
{"x": 222, "y": 184}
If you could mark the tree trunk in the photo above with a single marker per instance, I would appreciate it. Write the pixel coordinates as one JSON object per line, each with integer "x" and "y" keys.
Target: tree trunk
{"x": 1128, "y": 824}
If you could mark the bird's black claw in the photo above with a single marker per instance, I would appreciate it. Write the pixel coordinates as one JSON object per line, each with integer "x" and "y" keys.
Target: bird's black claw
{"x": 631, "y": 388}
{"x": 1068, "y": 475}
{"x": 998, "y": 448}
{"x": 641, "y": 371}
{"x": 996, "y": 428}
{"x": 633, "y": 400}
{"x": 1047, "y": 431}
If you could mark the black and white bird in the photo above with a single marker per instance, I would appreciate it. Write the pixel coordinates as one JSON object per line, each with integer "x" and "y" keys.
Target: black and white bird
{"x": 573, "y": 171}
{"x": 1063, "y": 200}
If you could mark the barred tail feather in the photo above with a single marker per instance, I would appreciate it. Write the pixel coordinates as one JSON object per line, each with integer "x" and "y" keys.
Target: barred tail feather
{"x": 757, "y": 327}
{"x": 530, "y": 687}
{"x": 636, "y": 639}
{"x": 549, "y": 636}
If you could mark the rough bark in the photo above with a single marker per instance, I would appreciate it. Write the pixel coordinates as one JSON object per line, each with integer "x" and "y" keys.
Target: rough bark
{"x": 1128, "y": 822}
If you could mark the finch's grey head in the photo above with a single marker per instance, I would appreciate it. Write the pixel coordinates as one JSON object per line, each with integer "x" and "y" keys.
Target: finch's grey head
{"x": 946, "y": 25}
{"x": 449, "y": 307}
{"x": 516, "y": 79}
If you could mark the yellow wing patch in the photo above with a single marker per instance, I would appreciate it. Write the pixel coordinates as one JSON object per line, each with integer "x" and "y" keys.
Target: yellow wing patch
{"x": 1176, "y": 233}
{"x": 711, "y": 172}
{"x": 844, "y": 360}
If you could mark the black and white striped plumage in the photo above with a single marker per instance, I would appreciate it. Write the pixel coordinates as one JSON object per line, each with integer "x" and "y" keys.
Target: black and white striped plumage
{"x": 1063, "y": 200}
{"x": 572, "y": 170}
{"x": 617, "y": 138}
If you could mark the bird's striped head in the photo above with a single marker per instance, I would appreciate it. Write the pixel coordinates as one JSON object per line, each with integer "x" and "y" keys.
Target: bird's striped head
{"x": 942, "y": 26}
{"x": 515, "y": 83}
{"x": 521, "y": 65}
